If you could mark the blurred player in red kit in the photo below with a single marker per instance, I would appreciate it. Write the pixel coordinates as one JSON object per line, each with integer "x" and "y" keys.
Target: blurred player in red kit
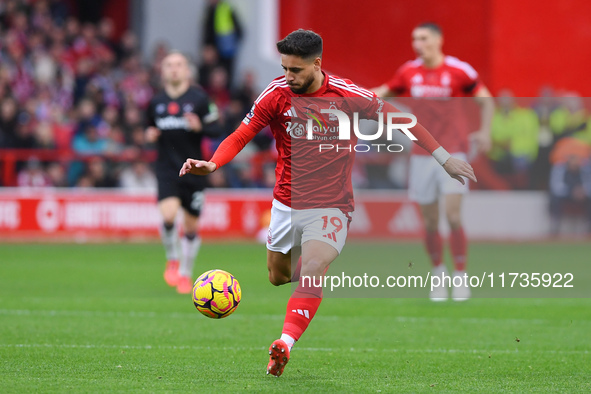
{"x": 309, "y": 203}
{"x": 436, "y": 77}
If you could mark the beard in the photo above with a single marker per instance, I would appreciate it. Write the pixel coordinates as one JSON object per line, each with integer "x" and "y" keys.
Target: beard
{"x": 305, "y": 86}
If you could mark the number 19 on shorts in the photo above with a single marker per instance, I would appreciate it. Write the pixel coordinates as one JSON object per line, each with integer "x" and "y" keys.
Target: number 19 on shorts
{"x": 336, "y": 225}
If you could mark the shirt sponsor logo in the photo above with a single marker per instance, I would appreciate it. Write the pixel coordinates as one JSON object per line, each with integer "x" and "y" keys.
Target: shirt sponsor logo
{"x": 430, "y": 91}
{"x": 171, "y": 123}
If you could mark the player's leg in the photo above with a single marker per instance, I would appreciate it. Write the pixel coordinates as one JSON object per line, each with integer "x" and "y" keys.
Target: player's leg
{"x": 168, "y": 208}
{"x": 433, "y": 242}
{"x": 434, "y": 246}
{"x": 192, "y": 199}
{"x": 458, "y": 243}
{"x": 323, "y": 237}
{"x": 306, "y": 298}
{"x": 283, "y": 251}
{"x": 190, "y": 244}
{"x": 423, "y": 188}
{"x": 303, "y": 303}
{"x": 280, "y": 266}
{"x": 454, "y": 192}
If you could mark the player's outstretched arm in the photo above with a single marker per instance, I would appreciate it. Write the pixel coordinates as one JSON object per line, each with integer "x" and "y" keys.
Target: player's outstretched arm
{"x": 197, "y": 167}
{"x": 227, "y": 150}
{"x": 457, "y": 169}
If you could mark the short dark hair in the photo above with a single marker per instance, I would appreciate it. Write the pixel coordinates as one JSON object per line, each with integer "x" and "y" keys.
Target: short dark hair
{"x": 434, "y": 27}
{"x": 302, "y": 43}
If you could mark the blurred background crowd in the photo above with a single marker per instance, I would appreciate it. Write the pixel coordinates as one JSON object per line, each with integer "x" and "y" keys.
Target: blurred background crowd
{"x": 73, "y": 100}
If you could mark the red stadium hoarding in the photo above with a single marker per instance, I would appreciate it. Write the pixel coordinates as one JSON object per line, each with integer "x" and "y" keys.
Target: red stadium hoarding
{"x": 475, "y": 31}
{"x": 41, "y": 214}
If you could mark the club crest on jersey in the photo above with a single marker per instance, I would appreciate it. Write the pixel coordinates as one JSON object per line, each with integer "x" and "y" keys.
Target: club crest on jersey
{"x": 295, "y": 129}
{"x": 160, "y": 108}
{"x": 416, "y": 79}
{"x": 332, "y": 117}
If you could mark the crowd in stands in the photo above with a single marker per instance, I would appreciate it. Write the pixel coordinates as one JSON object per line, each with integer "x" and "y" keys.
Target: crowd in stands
{"x": 79, "y": 91}
{"x": 73, "y": 89}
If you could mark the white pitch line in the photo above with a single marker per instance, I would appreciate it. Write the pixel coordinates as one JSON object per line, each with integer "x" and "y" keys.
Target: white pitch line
{"x": 191, "y": 315}
{"x": 297, "y": 349}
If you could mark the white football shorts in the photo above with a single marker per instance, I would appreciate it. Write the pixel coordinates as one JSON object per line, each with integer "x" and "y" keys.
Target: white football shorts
{"x": 293, "y": 227}
{"x": 428, "y": 180}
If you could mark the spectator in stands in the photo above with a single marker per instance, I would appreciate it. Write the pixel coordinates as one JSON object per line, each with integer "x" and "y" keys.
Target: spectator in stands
{"x": 8, "y": 123}
{"x": 138, "y": 176}
{"x": 209, "y": 61}
{"x": 569, "y": 118}
{"x": 132, "y": 119}
{"x": 514, "y": 133}
{"x": 59, "y": 11}
{"x": 98, "y": 173}
{"x": 161, "y": 49}
{"x": 570, "y": 188}
{"x": 105, "y": 82}
{"x": 86, "y": 116}
{"x": 56, "y": 173}
{"x": 89, "y": 142}
{"x": 44, "y": 136}
{"x": 246, "y": 92}
{"x": 129, "y": 44}
{"x": 83, "y": 77}
{"x": 217, "y": 88}
{"x": 106, "y": 35}
{"x": 224, "y": 32}
{"x": 136, "y": 88}
{"x": 33, "y": 175}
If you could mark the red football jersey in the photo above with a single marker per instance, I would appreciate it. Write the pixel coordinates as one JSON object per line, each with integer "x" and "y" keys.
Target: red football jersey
{"x": 307, "y": 179}
{"x": 446, "y": 120}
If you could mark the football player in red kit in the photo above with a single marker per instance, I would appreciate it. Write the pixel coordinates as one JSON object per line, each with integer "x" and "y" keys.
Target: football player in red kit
{"x": 308, "y": 203}
{"x": 435, "y": 77}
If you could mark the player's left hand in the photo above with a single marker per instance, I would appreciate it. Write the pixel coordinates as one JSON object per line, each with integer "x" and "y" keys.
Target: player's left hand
{"x": 482, "y": 141}
{"x": 193, "y": 121}
{"x": 197, "y": 167}
{"x": 457, "y": 168}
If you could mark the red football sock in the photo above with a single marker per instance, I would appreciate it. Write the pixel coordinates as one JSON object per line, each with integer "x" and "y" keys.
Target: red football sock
{"x": 458, "y": 246}
{"x": 301, "y": 308}
{"x": 434, "y": 247}
{"x": 295, "y": 276}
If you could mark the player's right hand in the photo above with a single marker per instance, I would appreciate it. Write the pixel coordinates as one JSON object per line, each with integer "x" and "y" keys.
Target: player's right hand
{"x": 152, "y": 134}
{"x": 457, "y": 169}
{"x": 197, "y": 167}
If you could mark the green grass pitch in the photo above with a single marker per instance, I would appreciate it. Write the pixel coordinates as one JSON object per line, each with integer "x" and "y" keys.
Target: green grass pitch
{"x": 99, "y": 318}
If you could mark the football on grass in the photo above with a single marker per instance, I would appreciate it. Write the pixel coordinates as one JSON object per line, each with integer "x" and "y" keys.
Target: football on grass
{"x": 216, "y": 294}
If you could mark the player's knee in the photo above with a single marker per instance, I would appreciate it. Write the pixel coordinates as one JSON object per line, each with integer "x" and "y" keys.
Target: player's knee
{"x": 277, "y": 278}
{"x": 431, "y": 224}
{"x": 454, "y": 220}
{"x": 313, "y": 267}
